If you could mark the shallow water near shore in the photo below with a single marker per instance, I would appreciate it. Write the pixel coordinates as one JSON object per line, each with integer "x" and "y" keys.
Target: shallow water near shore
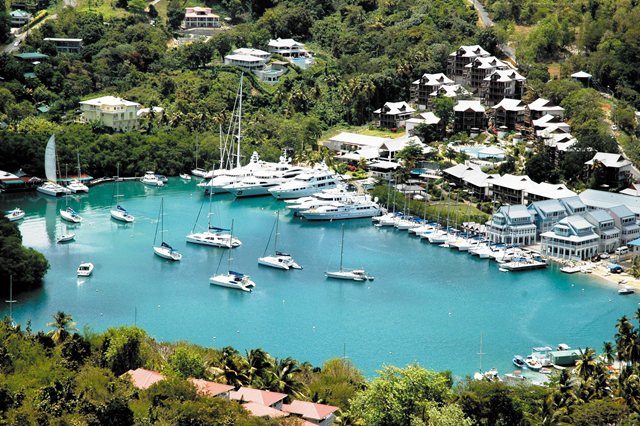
{"x": 427, "y": 304}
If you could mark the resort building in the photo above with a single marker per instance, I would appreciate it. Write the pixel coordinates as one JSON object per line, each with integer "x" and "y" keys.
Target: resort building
{"x": 393, "y": 114}
{"x": 66, "y": 45}
{"x": 547, "y": 191}
{"x": 426, "y": 118}
{"x": 287, "y": 47}
{"x": 142, "y": 378}
{"x": 625, "y": 221}
{"x": 110, "y": 111}
{"x": 454, "y": 91}
{"x": 571, "y": 238}
{"x": 604, "y": 226}
{"x": 512, "y": 224}
{"x": 481, "y": 68}
{"x": 422, "y": 88}
{"x": 455, "y": 174}
{"x": 19, "y": 18}
{"x": 266, "y": 398}
{"x": 511, "y": 189}
{"x": 381, "y": 169}
{"x": 505, "y": 83}
{"x": 317, "y": 414}
{"x": 458, "y": 60}
{"x": 574, "y": 205}
{"x": 469, "y": 116}
{"x": 247, "y": 62}
{"x": 200, "y": 17}
{"x": 265, "y": 56}
{"x": 595, "y": 199}
{"x": 390, "y": 147}
{"x": 546, "y": 214}
{"x": 211, "y": 389}
{"x": 541, "y": 107}
{"x": 616, "y": 169}
{"x": 345, "y": 142}
{"x": 509, "y": 113}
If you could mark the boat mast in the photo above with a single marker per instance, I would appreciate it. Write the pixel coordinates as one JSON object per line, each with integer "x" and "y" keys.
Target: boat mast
{"x": 78, "y": 157}
{"x": 239, "y": 122}
{"x": 481, "y": 354}
{"x": 230, "y": 245}
{"x": 342, "y": 248}
{"x": 275, "y": 243}
{"x": 209, "y": 215}
{"x": 11, "y": 301}
{"x": 155, "y": 237}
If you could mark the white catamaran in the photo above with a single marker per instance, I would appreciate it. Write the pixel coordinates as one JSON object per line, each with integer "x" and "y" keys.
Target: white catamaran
{"x": 51, "y": 187}
{"x": 213, "y": 236}
{"x": 279, "y": 260}
{"x": 119, "y": 212}
{"x": 347, "y": 274}
{"x": 232, "y": 279}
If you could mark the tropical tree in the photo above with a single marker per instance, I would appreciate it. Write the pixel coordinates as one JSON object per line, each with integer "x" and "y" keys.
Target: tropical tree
{"x": 586, "y": 364}
{"x": 62, "y": 324}
{"x": 260, "y": 365}
{"x": 232, "y": 368}
{"x": 284, "y": 378}
{"x": 635, "y": 267}
{"x": 608, "y": 352}
{"x": 625, "y": 339}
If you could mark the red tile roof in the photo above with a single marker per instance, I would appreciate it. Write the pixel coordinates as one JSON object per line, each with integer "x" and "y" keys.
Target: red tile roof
{"x": 309, "y": 410}
{"x": 207, "y": 388}
{"x": 143, "y": 379}
{"x": 259, "y": 410}
{"x": 255, "y": 395}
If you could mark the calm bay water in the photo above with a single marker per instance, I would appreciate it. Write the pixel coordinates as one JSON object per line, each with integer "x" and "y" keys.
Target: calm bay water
{"x": 427, "y": 304}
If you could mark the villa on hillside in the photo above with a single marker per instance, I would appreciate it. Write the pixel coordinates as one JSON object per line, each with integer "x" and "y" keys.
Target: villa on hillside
{"x": 248, "y": 59}
{"x": 469, "y": 116}
{"x": 501, "y": 84}
{"x": 454, "y": 91}
{"x": 19, "y": 17}
{"x": 540, "y": 107}
{"x": 422, "y": 88}
{"x": 393, "y": 114}
{"x": 509, "y": 113}
{"x": 616, "y": 168}
{"x": 66, "y": 45}
{"x": 426, "y": 118}
{"x": 266, "y": 398}
{"x": 200, "y": 17}
{"x": 110, "y": 111}
{"x": 458, "y": 60}
{"x": 316, "y": 414}
{"x": 481, "y": 68}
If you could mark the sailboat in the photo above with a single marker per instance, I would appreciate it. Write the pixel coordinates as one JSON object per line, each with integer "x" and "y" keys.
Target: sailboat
{"x": 232, "y": 279}
{"x": 69, "y": 214}
{"x": 66, "y": 236}
{"x": 50, "y": 187}
{"x": 119, "y": 212}
{"x": 213, "y": 236}
{"x": 347, "y": 274}
{"x": 75, "y": 185}
{"x": 279, "y": 260}
{"x": 164, "y": 250}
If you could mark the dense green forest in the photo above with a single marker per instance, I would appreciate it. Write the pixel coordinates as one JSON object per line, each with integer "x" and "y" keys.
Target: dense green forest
{"x": 25, "y": 265}
{"x": 367, "y": 53}
{"x": 64, "y": 377}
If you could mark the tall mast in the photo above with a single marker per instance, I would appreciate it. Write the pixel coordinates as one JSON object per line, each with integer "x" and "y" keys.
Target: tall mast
{"x": 480, "y": 354}
{"x": 230, "y": 245}
{"x": 275, "y": 243}
{"x": 342, "y": 248}
{"x": 11, "y": 301}
{"x": 221, "y": 149}
{"x": 239, "y": 122}
{"x": 209, "y": 215}
{"x": 78, "y": 157}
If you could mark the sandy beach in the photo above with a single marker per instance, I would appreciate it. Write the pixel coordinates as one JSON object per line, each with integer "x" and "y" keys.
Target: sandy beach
{"x": 600, "y": 270}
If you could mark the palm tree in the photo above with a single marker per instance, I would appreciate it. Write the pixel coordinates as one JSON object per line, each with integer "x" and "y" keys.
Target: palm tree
{"x": 62, "y": 324}
{"x": 284, "y": 378}
{"x": 232, "y": 368}
{"x": 625, "y": 339}
{"x": 586, "y": 365}
{"x": 260, "y": 364}
{"x": 635, "y": 270}
{"x": 608, "y": 352}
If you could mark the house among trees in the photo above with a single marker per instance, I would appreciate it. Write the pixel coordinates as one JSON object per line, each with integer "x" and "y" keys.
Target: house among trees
{"x": 582, "y": 77}
{"x": 266, "y": 398}
{"x": 610, "y": 168}
{"x": 454, "y": 91}
{"x": 211, "y": 389}
{"x": 423, "y": 88}
{"x": 509, "y": 113}
{"x": 393, "y": 114}
{"x": 481, "y": 68}
{"x": 250, "y": 60}
{"x": 317, "y": 414}
{"x": 468, "y": 116}
{"x": 541, "y": 107}
{"x": 503, "y": 84}
{"x": 66, "y": 45}
{"x": 110, "y": 111}
{"x": 200, "y": 17}
{"x": 427, "y": 119}
{"x": 458, "y": 60}
{"x": 19, "y": 17}
{"x": 142, "y": 378}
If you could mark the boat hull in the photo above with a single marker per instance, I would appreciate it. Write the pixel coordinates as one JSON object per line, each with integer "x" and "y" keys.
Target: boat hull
{"x": 279, "y": 262}
{"x": 15, "y": 215}
{"x": 53, "y": 191}
{"x": 66, "y": 238}
{"x": 249, "y": 191}
{"x": 70, "y": 217}
{"x": 166, "y": 253}
{"x": 298, "y": 193}
{"x": 348, "y": 275}
{"x": 122, "y": 217}
{"x": 213, "y": 240}
{"x": 356, "y": 214}
{"x": 229, "y": 281}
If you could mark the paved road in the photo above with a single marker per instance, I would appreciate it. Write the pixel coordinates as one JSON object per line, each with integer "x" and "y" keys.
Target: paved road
{"x": 19, "y": 38}
{"x": 486, "y": 22}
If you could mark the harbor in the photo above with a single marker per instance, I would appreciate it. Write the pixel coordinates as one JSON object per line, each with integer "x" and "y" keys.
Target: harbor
{"x": 425, "y": 304}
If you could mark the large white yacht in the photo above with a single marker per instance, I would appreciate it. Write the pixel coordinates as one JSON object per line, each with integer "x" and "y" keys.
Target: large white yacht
{"x": 222, "y": 178}
{"x": 151, "y": 179}
{"x": 53, "y": 189}
{"x": 213, "y": 236}
{"x": 262, "y": 180}
{"x": 322, "y": 198}
{"x": 305, "y": 184}
{"x": 359, "y": 207}
{"x": 76, "y": 186}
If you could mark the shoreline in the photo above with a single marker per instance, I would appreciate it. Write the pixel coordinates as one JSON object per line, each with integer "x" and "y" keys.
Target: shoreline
{"x": 600, "y": 271}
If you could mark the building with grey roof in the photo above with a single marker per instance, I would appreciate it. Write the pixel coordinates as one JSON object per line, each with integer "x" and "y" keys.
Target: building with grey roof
{"x": 625, "y": 220}
{"x": 546, "y": 214}
{"x": 571, "y": 238}
{"x": 604, "y": 226}
{"x": 512, "y": 224}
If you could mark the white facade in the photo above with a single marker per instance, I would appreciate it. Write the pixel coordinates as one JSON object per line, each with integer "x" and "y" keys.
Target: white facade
{"x": 113, "y": 112}
{"x": 200, "y": 17}
{"x": 512, "y": 225}
{"x": 571, "y": 238}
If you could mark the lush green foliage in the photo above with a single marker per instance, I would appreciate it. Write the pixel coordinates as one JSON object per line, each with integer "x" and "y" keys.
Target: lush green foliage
{"x": 26, "y": 265}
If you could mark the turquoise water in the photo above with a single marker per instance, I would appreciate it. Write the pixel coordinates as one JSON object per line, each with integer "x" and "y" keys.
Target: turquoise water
{"x": 426, "y": 304}
{"x": 474, "y": 151}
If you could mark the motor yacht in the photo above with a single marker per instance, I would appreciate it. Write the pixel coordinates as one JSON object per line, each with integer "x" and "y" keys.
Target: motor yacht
{"x": 85, "y": 269}
{"x": 306, "y": 184}
{"x": 262, "y": 180}
{"x": 356, "y": 209}
{"x": 151, "y": 179}
{"x": 15, "y": 214}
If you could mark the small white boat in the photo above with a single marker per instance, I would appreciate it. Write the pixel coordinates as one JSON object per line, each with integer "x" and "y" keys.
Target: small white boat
{"x": 70, "y": 215}
{"x": 85, "y": 269}
{"x": 65, "y": 238}
{"x": 185, "y": 176}
{"x": 533, "y": 363}
{"x": 164, "y": 250}
{"x": 151, "y": 179}
{"x": 347, "y": 274}
{"x": 15, "y": 214}
{"x": 121, "y": 214}
{"x": 53, "y": 189}
{"x": 279, "y": 260}
{"x": 625, "y": 289}
{"x": 76, "y": 186}
{"x": 570, "y": 269}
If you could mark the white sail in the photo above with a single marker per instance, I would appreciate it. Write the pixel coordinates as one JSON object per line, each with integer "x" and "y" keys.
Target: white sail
{"x": 50, "y": 160}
